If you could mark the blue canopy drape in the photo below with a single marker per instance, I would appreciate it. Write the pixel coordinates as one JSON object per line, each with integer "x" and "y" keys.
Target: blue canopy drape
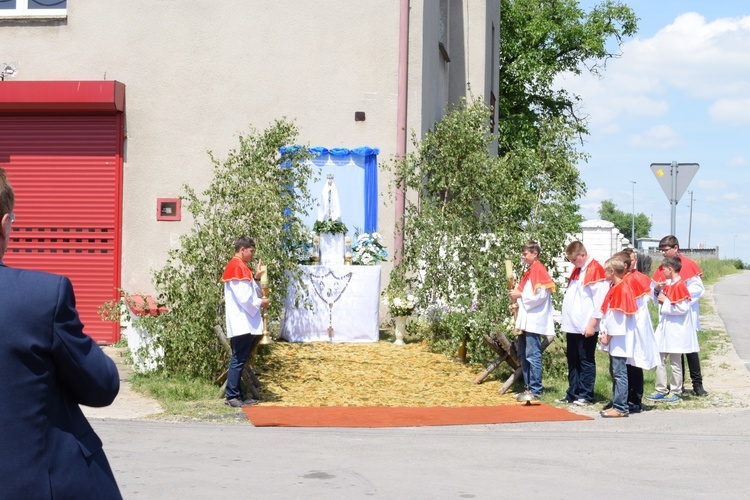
{"x": 370, "y": 156}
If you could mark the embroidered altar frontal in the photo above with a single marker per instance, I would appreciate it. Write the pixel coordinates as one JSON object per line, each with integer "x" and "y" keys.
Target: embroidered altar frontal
{"x": 345, "y": 305}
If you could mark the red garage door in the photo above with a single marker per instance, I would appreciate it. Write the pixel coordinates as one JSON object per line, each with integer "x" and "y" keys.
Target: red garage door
{"x": 65, "y": 169}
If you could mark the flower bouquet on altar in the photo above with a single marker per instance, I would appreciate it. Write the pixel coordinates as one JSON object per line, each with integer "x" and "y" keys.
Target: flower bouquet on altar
{"x": 368, "y": 249}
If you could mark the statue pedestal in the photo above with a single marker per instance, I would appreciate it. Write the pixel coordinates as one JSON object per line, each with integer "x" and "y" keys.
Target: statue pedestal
{"x": 331, "y": 249}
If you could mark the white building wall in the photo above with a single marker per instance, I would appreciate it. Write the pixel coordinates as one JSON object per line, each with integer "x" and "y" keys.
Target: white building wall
{"x": 198, "y": 77}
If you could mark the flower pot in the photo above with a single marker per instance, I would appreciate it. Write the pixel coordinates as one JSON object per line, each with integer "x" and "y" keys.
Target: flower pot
{"x": 400, "y": 329}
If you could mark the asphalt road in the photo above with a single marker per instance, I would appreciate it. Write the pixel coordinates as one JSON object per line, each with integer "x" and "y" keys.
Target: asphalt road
{"x": 732, "y": 298}
{"x": 670, "y": 454}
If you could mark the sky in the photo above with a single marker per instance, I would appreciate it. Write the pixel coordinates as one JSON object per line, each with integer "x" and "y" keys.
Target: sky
{"x": 680, "y": 92}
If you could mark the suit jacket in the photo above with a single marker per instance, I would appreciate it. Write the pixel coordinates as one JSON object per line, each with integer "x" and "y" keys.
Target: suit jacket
{"x": 48, "y": 366}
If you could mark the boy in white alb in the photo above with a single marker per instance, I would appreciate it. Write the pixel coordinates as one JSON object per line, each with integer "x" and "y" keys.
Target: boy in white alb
{"x": 676, "y": 333}
{"x": 533, "y": 297}
{"x": 645, "y": 351}
{"x": 691, "y": 274}
{"x": 584, "y": 295}
{"x": 242, "y": 301}
{"x": 617, "y": 333}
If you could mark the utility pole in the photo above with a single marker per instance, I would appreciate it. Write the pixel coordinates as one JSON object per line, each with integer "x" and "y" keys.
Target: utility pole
{"x": 632, "y": 220}
{"x": 690, "y": 224}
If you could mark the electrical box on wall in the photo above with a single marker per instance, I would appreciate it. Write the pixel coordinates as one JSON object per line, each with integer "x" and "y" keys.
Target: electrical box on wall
{"x": 168, "y": 209}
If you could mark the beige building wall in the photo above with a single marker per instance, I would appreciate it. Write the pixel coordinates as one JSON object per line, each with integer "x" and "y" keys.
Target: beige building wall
{"x": 196, "y": 78}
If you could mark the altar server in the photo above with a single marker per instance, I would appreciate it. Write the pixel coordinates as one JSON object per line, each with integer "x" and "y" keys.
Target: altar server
{"x": 675, "y": 333}
{"x": 243, "y": 302}
{"x": 617, "y": 333}
{"x": 584, "y": 295}
{"x": 533, "y": 297}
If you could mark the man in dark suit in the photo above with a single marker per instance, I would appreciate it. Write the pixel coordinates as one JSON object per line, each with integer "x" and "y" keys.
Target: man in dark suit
{"x": 48, "y": 366}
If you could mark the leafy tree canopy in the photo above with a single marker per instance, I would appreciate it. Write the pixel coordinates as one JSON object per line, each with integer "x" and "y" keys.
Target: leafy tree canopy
{"x": 541, "y": 39}
{"x": 624, "y": 221}
{"x": 468, "y": 210}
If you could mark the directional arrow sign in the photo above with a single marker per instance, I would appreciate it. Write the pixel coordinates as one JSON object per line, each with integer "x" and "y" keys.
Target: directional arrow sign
{"x": 683, "y": 172}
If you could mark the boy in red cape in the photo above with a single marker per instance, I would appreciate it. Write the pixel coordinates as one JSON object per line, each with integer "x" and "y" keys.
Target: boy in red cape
{"x": 242, "y": 300}
{"x": 617, "y": 333}
{"x": 645, "y": 351}
{"x": 533, "y": 297}
{"x": 675, "y": 333}
{"x": 691, "y": 274}
{"x": 584, "y": 295}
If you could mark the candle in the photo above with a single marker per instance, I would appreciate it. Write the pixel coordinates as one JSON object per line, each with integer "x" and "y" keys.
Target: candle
{"x": 509, "y": 273}
{"x": 264, "y": 276}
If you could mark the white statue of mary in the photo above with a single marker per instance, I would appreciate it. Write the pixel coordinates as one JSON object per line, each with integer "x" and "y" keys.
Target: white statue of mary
{"x": 329, "y": 208}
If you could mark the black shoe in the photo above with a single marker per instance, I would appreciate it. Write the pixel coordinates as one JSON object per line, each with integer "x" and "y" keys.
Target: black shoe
{"x": 634, "y": 408}
{"x": 607, "y": 406}
{"x": 698, "y": 390}
{"x": 564, "y": 400}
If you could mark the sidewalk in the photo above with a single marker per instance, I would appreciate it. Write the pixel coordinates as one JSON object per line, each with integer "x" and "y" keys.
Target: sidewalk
{"x": 128, "y": 404}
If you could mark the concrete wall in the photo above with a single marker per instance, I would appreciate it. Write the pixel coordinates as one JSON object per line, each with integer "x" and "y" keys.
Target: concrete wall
{"x": 602, "y": 239}
{"x": 196, "y": 78}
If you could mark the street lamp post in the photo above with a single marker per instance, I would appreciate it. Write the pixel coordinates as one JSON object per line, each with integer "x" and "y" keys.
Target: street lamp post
{"x": 632, "y": 219}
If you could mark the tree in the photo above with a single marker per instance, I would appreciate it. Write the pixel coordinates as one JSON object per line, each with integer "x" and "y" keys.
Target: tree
{"x": 468, "y": 210}
{"x": 624, "y": 221}
{"x": 540, "y": 40}
{"x": 255, "y": 191}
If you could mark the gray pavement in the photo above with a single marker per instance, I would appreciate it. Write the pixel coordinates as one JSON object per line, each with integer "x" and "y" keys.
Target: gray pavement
{"x": 671, "y": 454}
{"x": 732, "y": 297}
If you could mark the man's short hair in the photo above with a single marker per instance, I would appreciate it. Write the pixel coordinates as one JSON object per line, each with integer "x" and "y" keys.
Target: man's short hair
{"x": 243, "y": 242}
{"x": 672, "y": 262}
{"x": 532, "y": 246}
{"x": 575, "y": 248}
{"x": 668, "y": 242}
{"x": 7, "y": 198}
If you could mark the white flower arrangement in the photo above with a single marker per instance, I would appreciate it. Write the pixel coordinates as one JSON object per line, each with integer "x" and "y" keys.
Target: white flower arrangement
{"x": 368, "y": 250}
{"x": 400, "y": 305}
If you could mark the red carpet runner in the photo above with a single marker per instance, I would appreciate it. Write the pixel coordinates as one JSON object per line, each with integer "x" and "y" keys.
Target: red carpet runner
{"x": 387, "y": 416}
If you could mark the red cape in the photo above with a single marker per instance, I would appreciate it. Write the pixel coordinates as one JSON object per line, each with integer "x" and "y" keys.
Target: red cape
{"x": 677, "y": 292}
{"x": 539, "y": 277}
{"x": 689, "y": 270}
{"x": 620, "y": 298}
{"x": 236, "y": 270}
{"x": 639, "y": 283}
{"x": 594, "y": 273}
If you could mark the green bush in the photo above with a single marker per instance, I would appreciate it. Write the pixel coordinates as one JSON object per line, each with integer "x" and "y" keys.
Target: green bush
{"x": 467, "y": 211}
{"x": 256, "y": 192}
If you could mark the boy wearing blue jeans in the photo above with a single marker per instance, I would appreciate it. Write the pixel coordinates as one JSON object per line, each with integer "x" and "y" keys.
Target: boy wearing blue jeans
{"x": 617, "y": 329}
{"x": 533, "y": 298}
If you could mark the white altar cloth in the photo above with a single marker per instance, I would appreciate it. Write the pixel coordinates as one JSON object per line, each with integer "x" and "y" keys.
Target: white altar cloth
{"x": 354, "y": 292}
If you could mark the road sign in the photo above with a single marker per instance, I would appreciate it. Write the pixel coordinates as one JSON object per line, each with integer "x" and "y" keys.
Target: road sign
{"x": 673, "y": 184}
{"x": 683, "y": 173}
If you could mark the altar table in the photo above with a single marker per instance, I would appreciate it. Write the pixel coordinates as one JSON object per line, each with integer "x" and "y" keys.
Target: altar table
{"x": 344, "y": 298}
